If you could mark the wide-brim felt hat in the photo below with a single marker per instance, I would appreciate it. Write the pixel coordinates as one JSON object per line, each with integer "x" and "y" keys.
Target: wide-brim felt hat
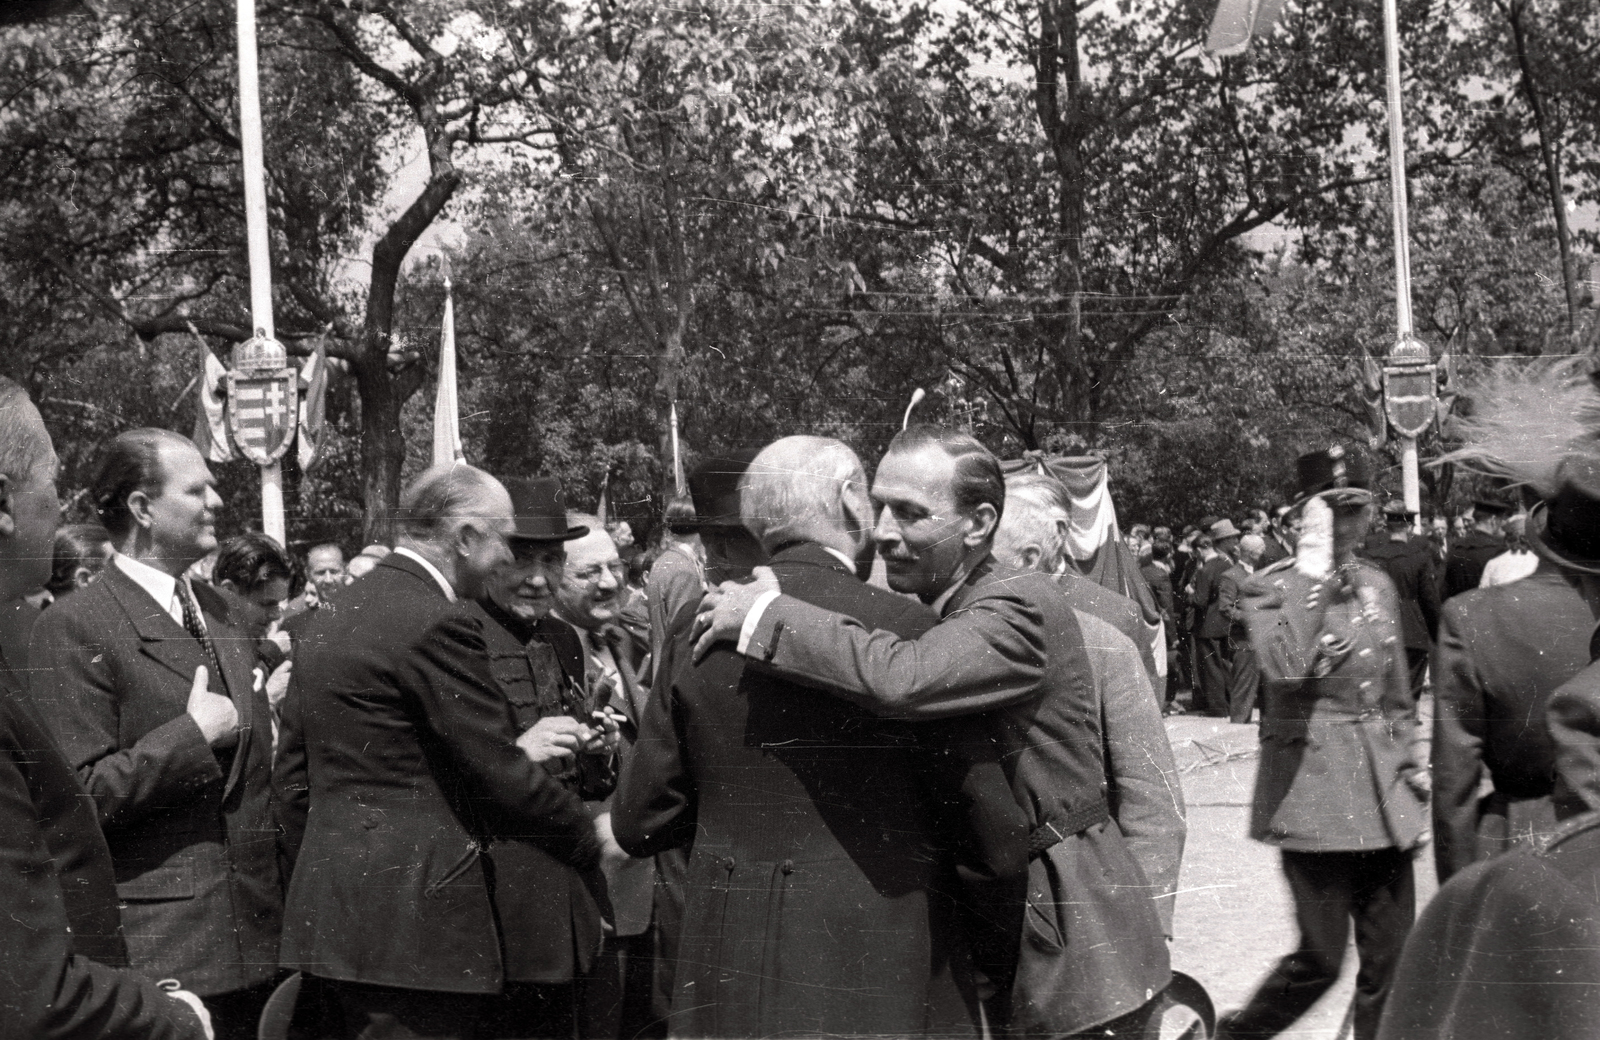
{"x": 1223, "y": 529}
{"x": 1335, "y": 474}
{"x": 1492, "y": 507}
{"x": 1565, "y": 528}
{"x": 1395, "y": 510}
{"x": 714, "y": 487}
{"x": 538, "y": 511}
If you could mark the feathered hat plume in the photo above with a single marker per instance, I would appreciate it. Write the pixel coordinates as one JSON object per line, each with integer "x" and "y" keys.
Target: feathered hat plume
{"x": 1526, "y": 418}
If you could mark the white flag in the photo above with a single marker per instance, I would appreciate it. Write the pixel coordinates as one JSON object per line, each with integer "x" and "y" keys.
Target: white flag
{"x": 1236, "y": 21}
{"x": 446, "y": 411}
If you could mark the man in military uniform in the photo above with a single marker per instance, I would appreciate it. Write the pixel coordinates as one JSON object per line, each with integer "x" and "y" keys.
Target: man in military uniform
{"x": 1409, "y": 564}
{"x": 1463, "y": 567}
{"x": 1335, "y": 702}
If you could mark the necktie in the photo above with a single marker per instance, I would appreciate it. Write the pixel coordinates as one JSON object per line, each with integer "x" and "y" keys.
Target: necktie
{"x": 191, "y": 621}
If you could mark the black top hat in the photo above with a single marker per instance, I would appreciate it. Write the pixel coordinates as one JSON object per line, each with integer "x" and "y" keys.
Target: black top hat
{"x": 714, "y": 486}
{"x": 539, "y": 511}
{"x": 1491, "y": 507}
{"x": 1335, "y": 473}
{"x": 1566, "y": 527}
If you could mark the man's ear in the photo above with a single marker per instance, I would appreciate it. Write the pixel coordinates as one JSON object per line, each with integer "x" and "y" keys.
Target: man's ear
{"x": 8, "y": 506}
{"x": 981, "y": 525}
{"x": 1030, "y": 555}
{"x": 139, "y": 509}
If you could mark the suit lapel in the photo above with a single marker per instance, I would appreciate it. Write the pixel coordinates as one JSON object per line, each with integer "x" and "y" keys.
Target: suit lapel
{"x": 237, "y": 656}
{"x": 161, "y": 638}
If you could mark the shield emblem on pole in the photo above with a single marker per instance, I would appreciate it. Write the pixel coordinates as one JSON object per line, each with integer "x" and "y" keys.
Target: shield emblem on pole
{"x": 1408, "y": 387}
{"x": 262, "y": 412}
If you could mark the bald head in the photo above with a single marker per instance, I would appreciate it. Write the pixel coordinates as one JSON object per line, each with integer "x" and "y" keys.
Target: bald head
{"x": 457, "y": 517}
{"x": 807, "y": 489}
{"x": 28, "y": 505}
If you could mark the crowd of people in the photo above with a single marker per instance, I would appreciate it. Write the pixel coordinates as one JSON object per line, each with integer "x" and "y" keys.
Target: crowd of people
{"x": 835, "y": 756}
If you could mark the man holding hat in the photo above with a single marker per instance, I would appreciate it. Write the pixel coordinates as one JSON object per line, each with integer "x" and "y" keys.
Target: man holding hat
{"x": 549, "y": 910}
{"x": 1336, "y": 706}
{"x": 1464, "y": 566}
{"x": 1212, "y": 627}
{"x": 1409, "y": 564}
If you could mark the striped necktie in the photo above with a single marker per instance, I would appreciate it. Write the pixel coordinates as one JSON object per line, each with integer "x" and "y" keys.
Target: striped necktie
{"x": 191, "y": 621}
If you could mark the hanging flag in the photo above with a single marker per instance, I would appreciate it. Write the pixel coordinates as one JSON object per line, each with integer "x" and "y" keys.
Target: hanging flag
{"x": 679, "y": 482}
{"x": 313, "y": 403}
{"x": 1236, "y": 21}
{"x": 446, "y": 411}
{"x": 210, "y": 421}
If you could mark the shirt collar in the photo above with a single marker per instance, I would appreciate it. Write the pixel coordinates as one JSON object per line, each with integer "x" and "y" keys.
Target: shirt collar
{"x": 163, "y": 587}
{"x": 841, "y": 557}
{"x": 438, "y": 576}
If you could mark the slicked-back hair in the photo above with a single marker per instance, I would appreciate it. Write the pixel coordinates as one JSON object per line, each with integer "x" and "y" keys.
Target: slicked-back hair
{"x": 23, "y": 443}
{"x": 794, "y": 486}
{"x": 978, "y": 477}
{"x": 437, "y": 501}
{"x": 77, "y": 545}
{"x": 251, "y": 560}
{"x": 1035, "y": 503}
{"x": 680, "y": 515}
{"x": 129, "y": 462}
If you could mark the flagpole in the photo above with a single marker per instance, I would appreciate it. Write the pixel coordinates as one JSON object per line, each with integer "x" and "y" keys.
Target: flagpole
{"x": 1402, "y": 248}
{"x": 677, "y": 459}
{"x": 255, "y": 213}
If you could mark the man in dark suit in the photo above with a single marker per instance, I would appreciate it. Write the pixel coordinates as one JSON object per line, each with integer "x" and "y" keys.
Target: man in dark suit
{"x": 645, "y": 891}
{"x": 1502, "y": 652}
{"x": 61, "y": 945}
{"x": 1409, "y": 563}
{"x": 400, "y": 763}
{"x": 821, "y": 816}
{"x": 1094, "y": 957}
{"x": 152, "y": 694}
{"x": 1244, "y": 673}
{"x": 549, "y": 912}
{"x": 1463, "y": 567}
{"x": 1212, "y": 648}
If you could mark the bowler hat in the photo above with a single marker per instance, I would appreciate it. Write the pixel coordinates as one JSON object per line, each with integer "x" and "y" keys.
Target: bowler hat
{"x": 1565, "y": 528}
{"x": 1222, "y": 529}
{"x": 1335, "y": 473}
{"x": 714, "y": 486}
{"x": 539, "y": 512}
{"x": 1487, "y": 506}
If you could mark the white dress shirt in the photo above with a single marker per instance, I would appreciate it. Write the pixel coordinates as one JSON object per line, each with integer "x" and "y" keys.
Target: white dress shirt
{"x": 163, "y": 587}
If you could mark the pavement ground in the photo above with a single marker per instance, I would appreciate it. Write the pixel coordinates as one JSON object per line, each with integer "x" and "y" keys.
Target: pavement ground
{"x": 1234, "y": 917}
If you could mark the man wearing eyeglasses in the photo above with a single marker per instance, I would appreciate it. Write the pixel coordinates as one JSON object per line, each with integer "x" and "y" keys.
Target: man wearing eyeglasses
{"x": 645, "y": 893}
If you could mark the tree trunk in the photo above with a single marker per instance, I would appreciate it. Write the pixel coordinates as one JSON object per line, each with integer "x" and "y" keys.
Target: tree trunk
{"x": 1549, "y": 153}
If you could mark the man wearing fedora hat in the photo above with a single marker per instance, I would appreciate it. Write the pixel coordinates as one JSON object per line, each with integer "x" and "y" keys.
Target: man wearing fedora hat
{"x": 1502, "y": 652}
{"x": 1212, "y": 625}
{"x": 1336, "y": 703}
{"x": 1463, "y": 567}
{"x": 1409, "y": 563}
{"x": 549, "y": 910}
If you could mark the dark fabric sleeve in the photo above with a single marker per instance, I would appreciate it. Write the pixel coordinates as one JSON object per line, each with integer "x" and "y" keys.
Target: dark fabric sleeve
{"x": 655, "y": 807}
{"x": 1458, "y": 735}
{"x": 1228, "y": 600}
{"x": 1428, "y": 593}
{"x": 47, "y": 993}
{"x": 1574, "y": 720}
{"x": 466, "y": 711}
{"x": 290, "y": 783}
{"x": 78, "y": 689}
{"x": 988, "y": 654}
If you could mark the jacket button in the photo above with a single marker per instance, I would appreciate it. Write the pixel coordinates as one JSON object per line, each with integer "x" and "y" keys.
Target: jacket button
{"x": 370, "y": 822}
{"x": 788, "y": 866}
{"x": 727, "y": 863}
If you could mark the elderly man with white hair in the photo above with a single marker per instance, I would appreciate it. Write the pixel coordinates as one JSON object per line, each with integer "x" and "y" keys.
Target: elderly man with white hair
{"x": 400, "y": 764}
{"x": 820, "y": 832}
{"x": 1146, "y": 795}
